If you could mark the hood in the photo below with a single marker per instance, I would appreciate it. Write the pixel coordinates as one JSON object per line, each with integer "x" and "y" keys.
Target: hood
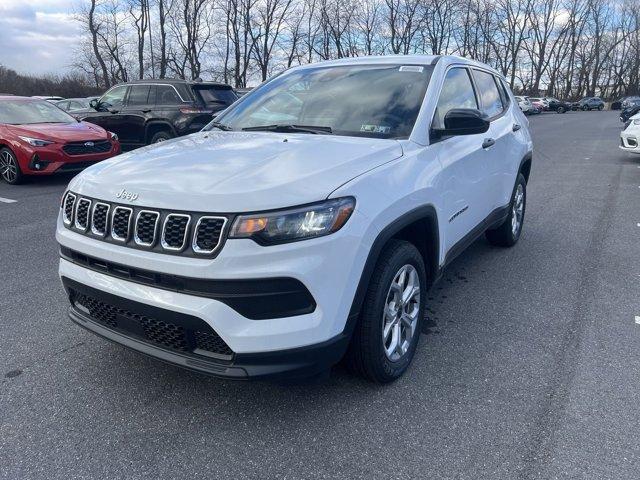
{"x": 60, "y": 132}
{"x": 227, "y": 172}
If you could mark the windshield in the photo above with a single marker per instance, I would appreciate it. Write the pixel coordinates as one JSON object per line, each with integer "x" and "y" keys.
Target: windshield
{"x": 24, "y": 112}
{"x": 380, "y": 101}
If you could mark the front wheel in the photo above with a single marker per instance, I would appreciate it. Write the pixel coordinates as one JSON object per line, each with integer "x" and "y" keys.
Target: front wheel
{"x": 561, "y": 110}
{"x": 585, "y": 108}
{"x": 388, "y": 330}
{"x": 161, "y": 137}
{"x": 600, "y": 107}
{"x": 9, "y": 167}
{"x": 508, "y": 233}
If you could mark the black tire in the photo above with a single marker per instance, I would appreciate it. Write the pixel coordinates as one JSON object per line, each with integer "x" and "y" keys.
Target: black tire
{"x": 366, "y": 355}
{"x": 600, "y": 107}
{"x": 10, "y": 170}
{"x": 160, "y": 137}
{"x": 585, "y": 108}
{"x": 504, "y": 235}
{"x": 561, "y": 109}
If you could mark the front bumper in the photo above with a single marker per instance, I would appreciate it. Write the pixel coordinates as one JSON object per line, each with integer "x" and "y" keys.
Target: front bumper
{"x": 126, "y": 329}
{"x": 328, "y": 267}
{"x": 53, "y": 159}
{"x": 629, "y": 142}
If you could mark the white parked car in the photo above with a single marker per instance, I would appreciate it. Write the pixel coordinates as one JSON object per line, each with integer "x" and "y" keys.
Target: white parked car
{"x": 524, "y": 104}
{"x": 630, "y": 136}
{"x": 288, "y": 234}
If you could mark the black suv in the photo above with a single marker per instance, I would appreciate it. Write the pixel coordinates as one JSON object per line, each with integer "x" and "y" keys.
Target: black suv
{"x": 151, "y": 111}
{"x": 556, "y": 105}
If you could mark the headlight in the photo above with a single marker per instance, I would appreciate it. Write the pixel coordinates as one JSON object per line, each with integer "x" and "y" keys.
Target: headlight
{"x": 114, "y": 136}
{"x": 636, "y": 121}
{"x": 294, "y": 224}
{"x": 35, "y": 142}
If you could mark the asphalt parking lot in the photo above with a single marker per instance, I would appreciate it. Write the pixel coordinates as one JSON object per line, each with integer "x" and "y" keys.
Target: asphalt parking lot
{"x": 529, "y": 367}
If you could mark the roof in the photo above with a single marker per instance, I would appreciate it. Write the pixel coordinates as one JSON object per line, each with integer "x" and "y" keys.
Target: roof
{"x": 8, "y": 96}
{"x": 402, "y": 59}
{"x": 175, "y": 81}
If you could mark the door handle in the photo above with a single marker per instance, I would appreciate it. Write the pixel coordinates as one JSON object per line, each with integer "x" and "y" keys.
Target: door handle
{"x": 114, "y": 111}
{"x": 516, "y": 127}
{"x": 146, "y": 111}
{"x": 488, "y": 142}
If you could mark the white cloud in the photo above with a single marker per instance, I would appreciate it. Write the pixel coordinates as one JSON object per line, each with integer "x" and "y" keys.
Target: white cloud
{"x": 37, "y": 36}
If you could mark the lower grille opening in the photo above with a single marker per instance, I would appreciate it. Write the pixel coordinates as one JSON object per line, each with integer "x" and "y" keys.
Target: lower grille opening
{"x": 171, "y": 335}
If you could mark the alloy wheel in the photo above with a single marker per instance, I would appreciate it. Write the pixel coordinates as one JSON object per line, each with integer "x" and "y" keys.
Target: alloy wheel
{"x": 8, "y": 167}
{"x": 401, "y": 310}
{"x": 517, "y": 210}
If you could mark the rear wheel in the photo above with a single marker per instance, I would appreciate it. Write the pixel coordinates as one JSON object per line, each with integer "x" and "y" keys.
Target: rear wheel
{"x": 9, "y": 167}
{"x": 387, "y": 333}
{"x": 508, "y": 233}
{"x": 561, "y": 109}
{"x": 600, "y": 107}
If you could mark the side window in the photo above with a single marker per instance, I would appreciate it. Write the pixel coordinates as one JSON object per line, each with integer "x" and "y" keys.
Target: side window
{"x": 166, "y": 95}
{"x": 488, "y": 92}
{"x": 138, "y": 95}
{"x": 504, "y": 90}
{"x": 457, "y": 92}
{"x": 114, "y": 97}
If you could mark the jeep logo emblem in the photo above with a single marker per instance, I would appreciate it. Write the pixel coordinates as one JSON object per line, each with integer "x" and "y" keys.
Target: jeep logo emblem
{"x": 123, "y": 194}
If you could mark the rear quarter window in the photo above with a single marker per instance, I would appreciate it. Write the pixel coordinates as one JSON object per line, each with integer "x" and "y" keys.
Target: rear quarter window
{"x": 167, "y": 95}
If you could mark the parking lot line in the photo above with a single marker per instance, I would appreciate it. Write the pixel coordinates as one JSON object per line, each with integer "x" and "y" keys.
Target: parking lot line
{"x": 638, "y": 319}
{"x": 7, "y": 200}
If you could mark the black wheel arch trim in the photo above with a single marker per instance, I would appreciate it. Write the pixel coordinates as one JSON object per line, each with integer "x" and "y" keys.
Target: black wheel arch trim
{"x": 528, "y": 158}
{"x": 425, "y": 212}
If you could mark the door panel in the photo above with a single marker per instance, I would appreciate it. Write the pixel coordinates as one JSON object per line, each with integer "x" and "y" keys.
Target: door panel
{"x": 464, "y": 162}
{"x": 108, "y": 115}
{"x": 135, "y": 114}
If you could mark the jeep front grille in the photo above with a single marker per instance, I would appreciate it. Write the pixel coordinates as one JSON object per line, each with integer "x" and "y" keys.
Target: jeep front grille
{"x": 100, "y": 218}
{"x": 82, "y": 214}
{"x": 146, "y": 227}
{"x": 179, "y": 233}
{"x": 121, "y": 223}
{"x": 208, "y": 233}
{"x": 174, "y": 231}
{"x": 69, "y": 203}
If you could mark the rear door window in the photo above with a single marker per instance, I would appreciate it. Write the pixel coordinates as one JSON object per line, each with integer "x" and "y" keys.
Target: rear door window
{"x": 489, "y": 94}
{"x": 138, "y": 95}
{"x": 457, "y": 92}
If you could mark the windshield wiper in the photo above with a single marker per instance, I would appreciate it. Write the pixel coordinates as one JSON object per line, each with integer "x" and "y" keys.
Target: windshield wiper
{"x": 221, "y": 126}
{"x": 290, "y": 128}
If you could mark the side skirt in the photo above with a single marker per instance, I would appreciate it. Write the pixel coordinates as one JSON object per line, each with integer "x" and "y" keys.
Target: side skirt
{"x": 493, "y": 220}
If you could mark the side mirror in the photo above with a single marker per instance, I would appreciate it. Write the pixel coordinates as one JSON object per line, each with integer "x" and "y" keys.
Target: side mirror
{"x": 94, "y": 103}
{"x": 462, "y": 121}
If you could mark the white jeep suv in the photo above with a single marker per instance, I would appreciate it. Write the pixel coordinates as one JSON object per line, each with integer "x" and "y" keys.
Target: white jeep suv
{"x": 305, "y": 224}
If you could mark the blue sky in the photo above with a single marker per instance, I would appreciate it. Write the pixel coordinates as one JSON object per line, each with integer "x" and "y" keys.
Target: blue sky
{"x": 37, "y": 36}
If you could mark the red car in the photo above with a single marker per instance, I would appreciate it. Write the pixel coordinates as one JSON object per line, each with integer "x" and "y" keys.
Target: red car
{"x": 38, "y": 138}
